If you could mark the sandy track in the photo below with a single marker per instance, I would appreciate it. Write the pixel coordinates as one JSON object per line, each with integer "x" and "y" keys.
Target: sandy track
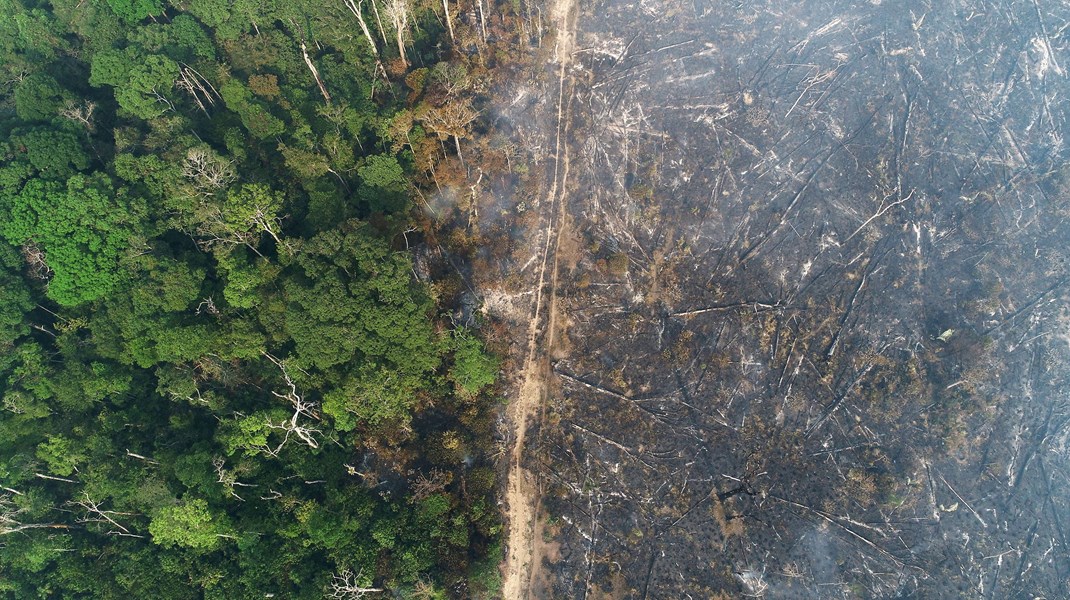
{"x": 521, "y": 493}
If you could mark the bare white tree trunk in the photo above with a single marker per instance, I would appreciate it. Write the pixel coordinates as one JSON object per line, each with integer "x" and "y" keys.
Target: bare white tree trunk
{"x": 355, "y": 9}
{"x": 482, "y": 20}
{"x": 379, "y": 22}
{"x": 315, "y": 73}
{"x": 95, "y": 514}
{"x": 457, "y": 143}
{"x": 10, "y": 512}
{"x": 449, "y": 21}
{"x": 398, "y": 12}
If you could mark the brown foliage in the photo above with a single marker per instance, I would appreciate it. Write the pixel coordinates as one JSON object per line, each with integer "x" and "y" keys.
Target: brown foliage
{"x": 266, "y": 86}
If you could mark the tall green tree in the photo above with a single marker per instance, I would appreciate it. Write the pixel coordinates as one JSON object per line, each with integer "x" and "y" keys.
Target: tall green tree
{"x": 82, "y": 232}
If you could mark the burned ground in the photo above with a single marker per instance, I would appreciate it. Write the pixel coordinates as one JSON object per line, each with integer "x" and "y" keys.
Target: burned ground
{"x": 816, "y": 334}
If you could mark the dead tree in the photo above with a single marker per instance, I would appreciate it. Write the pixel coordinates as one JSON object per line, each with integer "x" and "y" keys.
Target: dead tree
{"x": 315, "y": 73}
{"x": 207, "y": 306}
{"x": 36, "y": 264}
{"x": 450, "y": 120}
{"x": 355, "y": 8}
{"x": 80, "y": 112}
{"x": 197, "y": 86}
{"x": 346, "y": 586}
{"x": 398, "y": 13}
{"x": 482, "y": 20}
{"x": 303, "y": 411}
{"x": 428, "y": 485}
{"x": 379, "y": 22}
{"x": 449, "y": 21}
{"x": 229, "y": 479}
{"x": 93, "y": 513}
{"x": 141, "y": 457}
{"x": 207, "y": 172}
{"x": 10, "y": 513}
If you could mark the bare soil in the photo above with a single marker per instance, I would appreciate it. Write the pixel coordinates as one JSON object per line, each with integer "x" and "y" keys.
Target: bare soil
{"x": 523, "y": 541}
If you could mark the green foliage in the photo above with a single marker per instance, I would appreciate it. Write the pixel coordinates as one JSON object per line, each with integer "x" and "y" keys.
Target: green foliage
{"x": 485, "y": 580}
{"x": 383, "y": 172}
{"x": 39, "y": 97}
{"x": 182, "y": 39}
{"x": 375, "y": 395}
{"x": 243, "y": 276}
{"x": 384, "y": 183}
{"x": 352, "y": 297}
{"x": 305, "y": 164}
{"x": 190, "y": 525}
{"x": 82, "y": 231}
{"x": 251, "y": 207}
{"x": 226, "y": 17}
{"x": 198, "y": 330}
{"x": 29, "y": 36}
{"x": 17, "y": 298}
{"x": 473, "y": 369}
{"x": 142, "y": 83}
{"x": 133, "y": 11}
{"x": 53, "y": 154}
{"x": 254, "y": 114}
{"x": 249, "y": 435}
{"x": 60, "y": 454}
{"x": 170, "y": 286}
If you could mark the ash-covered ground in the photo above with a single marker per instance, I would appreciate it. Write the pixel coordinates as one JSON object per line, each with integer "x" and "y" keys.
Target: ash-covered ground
{"x": 816, "y": 333}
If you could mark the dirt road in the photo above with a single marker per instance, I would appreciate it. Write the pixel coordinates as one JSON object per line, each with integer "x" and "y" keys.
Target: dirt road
{"x": 522, "y": 560}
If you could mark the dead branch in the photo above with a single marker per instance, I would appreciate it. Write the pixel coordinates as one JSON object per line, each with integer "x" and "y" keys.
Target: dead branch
{"x": 80, "y": 112}
{"x": 95, "y": 514}
{"x": 315, "y": 73}
{"x": 53, "y": 478}
{"x": 355, "y": 8}
{"x": 140, "y": 457}
{"x": 345, "y": 586}
{"x": 302, "y": 410}
{"x": 616, "y": 445}
{"x": 9, "y": 518}
{"x": 881, "y": 210}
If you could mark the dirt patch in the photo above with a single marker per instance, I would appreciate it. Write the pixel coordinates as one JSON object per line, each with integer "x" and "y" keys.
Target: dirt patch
{"x": 523, "y": 558}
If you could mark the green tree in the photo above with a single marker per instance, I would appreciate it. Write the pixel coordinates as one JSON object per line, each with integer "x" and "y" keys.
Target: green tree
{"x": 242, "y": 276}
{"x": 142, "y": 83}
{"x": 82, "y": 231}
{"x": 29, "y": 37}
{"x": 61, "y": 454}
{"x": 190, "y": 524}
{"x": 254, "y": 114}
{"x": 253, "y": 209}
{"x": 473, "y": 369}
{"x": 39, "y": 97}
{"x": 17, "y": 299}
{"x": 133, "y": 11}
{"x": 373, "y": 396}
{"x": 170, "y": 285}
{"x": 172, "y": 181}
{"x": 352, "y": 297}
{"x": 384, "y": 183}
{"x": 52, "y": 153}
